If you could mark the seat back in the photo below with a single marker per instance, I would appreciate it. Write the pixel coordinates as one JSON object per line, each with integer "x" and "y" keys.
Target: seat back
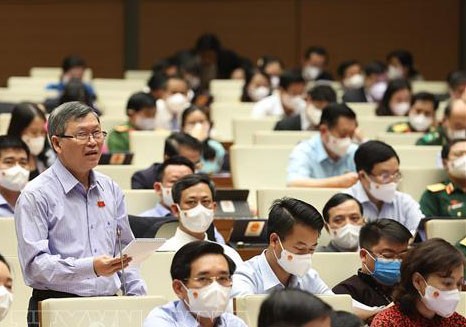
{"x": 244, "y": 128}
{"x": 226, "y": 89}
{"x": 142, "y": 75}
{"x": 167, "y": 230}
{"x": 121, "y": 174}
{"x": 4, "y": 122}
{"x": 399, "y": 139}
{"x": 147, "y": 146}
{"x": 371, "y": 126}
{"x": 335, "y": 267}
{"x": 363, "y": 109}
{"x": 222, "y": 115}
{"x": 436, "y": 87}
{"x": 138, "y": 201}
{"x": 416, "y": 179}
{"x": 281, "y": 137}
{"x": 98, "y": 311}
{"x": 451, "y": 230}
{"x": 55, "y": 72}
{"x": 155, "y": 271}
{"x": 418, "y": 156}
{"x": 8, "y": 241}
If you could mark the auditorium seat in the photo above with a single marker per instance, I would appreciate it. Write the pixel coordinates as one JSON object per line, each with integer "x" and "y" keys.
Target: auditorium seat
{"x": 121, "y": 174}
{"x": 147, "y": 146}
{"x": 451, "y": 230}
{"x": 282, "y": 137}
{"x": 244, "y": 128}
{"x": 222, "y": 115}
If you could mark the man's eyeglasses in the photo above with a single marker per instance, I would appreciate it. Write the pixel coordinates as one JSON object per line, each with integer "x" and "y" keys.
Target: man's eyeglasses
{"x": 387, "y": 177}
{"x": 84, "y": 137}
{"x": 224, "y": 280}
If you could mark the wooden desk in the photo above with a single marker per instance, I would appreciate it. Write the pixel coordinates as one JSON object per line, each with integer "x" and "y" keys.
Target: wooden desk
{"x": 248, "y": 252}
{"x": 222, "y": 180}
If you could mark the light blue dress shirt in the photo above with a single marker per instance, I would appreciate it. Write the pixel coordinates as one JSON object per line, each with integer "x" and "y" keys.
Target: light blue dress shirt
{"x": 309, "y": 159}
{"x": 5, "y": 209}
{"x": 175, "y": 314}
{"x": 403, "y": 208}
{"x": 255, "y": 276}
{"x": 61, "y": 227}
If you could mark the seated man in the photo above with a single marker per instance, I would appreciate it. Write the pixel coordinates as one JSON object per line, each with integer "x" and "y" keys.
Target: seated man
{"x": 140, "y": 110}
{"x": 326, "y": 160}
{"x": 343, "y": 217}
{"x": 194, "y": 206}
{"x": 14, "y": 168}
{"x": 177, "y": 144}
{"x": 375, "y": 84}
{"x": 314, "y": 64}
{"x": 378, "y": 168}
{"x": 288, "y": 101}
{"x": 382, "y": 244}
{"x": 350, "y": 74}
{"x": 318, "y": 98}
{"x": 201, "y": 278}
{"x": 6, "y": 288}
{"x": 421, "y": 115}
{"x": 453, "y": 126}
{"x": 293, "y": 229}
{"x": 448, "y": 198}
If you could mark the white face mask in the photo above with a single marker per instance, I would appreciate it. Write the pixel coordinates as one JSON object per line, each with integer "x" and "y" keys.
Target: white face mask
{"x": 456, "y": 134}
{"x": 310, "y": 73}
{"x": 6, "y": 299}
{"x": 167, "y": 197}
{"x": 145, "y": 124}
{"x": 294, "y": 264}
{"x": 199, "y": 131}
{"x": 457, "y": 167}
{"x": 395, "y": 72}
{"x": 338, "y": 146}
{"x": 443, "y": 303}
{"x": 294, "y": 102}
{"x": 258, "y": 93}
{"x": 420, "y": 122}
{"x": 377, "y": 90}
{"x": 400, "y": 109}
{"x": 209, "y": 301}
{"x": 313, "y": 114}
{"x": 176, "y": 103}
{"x": 354, "y": 82}
{"x": 14, "y": 178}
{"x": 346, "y": 237}
{"x": 35, "y": 144}
{"x": 275, "y": 82}
{"x": 383, "y": 192}
{"x": 197, "y": 219}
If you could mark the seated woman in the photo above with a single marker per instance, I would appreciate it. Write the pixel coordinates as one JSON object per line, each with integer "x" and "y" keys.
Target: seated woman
{"x": 429, "y": 289}
{"x": 256, "y": 87}
{"x": 273, "y": 67}
{"x": 196, "y": 122}
{"x": 28, "y": 123}
{"x": 294, "y": 307}
{"x": 396, "y": 100}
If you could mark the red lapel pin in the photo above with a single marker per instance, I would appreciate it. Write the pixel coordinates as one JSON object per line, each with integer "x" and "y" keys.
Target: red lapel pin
{"x": 100, "y": 204}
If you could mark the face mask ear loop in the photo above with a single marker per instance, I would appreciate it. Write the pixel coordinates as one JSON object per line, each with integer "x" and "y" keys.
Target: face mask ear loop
{"x": 371, "y": 272}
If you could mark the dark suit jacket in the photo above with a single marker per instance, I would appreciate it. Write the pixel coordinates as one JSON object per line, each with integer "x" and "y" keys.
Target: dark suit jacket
{"x": 357, "y": 95}
{"x": 292, "y": 123}
{"x": 144, "y": 179}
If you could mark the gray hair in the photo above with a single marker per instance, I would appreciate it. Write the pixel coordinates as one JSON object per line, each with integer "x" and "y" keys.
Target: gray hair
{"x": 68, "y": 111}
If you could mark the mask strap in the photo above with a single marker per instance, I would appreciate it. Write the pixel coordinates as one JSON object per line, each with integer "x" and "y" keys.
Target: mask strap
{"x": 371, "y": 272}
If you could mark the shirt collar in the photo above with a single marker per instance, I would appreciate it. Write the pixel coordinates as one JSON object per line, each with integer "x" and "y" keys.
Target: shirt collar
{"x": 321, "y": 154}
{"x": 269, "y": 278}
{"x": 67, "y": 180}
{"x": 3, "y": 202}
{"x": 185, "y": 238}
{"x": 360, "y": 193}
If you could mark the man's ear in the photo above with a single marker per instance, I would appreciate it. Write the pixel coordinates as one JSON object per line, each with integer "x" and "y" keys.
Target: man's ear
{"x": 214, "y": 206}
{"x": 273, "y": 239}
{"x": 130, "y": 112}
{"x": 178, "y": 288}
{"x": 363, "y": 255}
{"x": 55, "y": 140}
{"x": 175, "y": 210}
{"x": 323, "y": 129}
{"x": 157, "y": 187}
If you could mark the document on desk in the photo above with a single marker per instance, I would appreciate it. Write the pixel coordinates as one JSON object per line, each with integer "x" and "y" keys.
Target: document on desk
{"x": 141, "y": 248}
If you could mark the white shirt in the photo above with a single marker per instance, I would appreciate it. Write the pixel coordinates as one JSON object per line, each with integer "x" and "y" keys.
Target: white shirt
{"x": 164, "y": 119}
{"x": 268, "y": 106}
{"x": 255, "y": 276}
{"x": 181, "y": 238}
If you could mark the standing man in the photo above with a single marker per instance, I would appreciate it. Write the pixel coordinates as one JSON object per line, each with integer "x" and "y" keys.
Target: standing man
{"x": 70, "y": 218}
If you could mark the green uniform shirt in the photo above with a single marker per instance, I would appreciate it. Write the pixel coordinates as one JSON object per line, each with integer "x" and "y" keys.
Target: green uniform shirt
{"x": 437, "y": 137}
{"x": 404, "y": 127}
{"x": 118, "y": 139}
{"x": 443, "y": 200}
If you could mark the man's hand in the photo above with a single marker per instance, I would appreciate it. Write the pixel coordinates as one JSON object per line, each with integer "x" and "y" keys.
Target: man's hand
{"x": 348, "y": 179}
{"x": 107, "y": 266}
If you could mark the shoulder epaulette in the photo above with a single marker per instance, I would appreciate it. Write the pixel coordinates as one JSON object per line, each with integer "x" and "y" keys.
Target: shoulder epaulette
{"x": 437, "y": 187}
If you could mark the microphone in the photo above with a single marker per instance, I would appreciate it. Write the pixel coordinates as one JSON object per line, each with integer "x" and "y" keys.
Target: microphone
{"x": 123, "y": 276}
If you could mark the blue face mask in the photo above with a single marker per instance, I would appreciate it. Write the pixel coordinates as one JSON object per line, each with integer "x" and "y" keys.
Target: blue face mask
{"x": 386, "y": 271}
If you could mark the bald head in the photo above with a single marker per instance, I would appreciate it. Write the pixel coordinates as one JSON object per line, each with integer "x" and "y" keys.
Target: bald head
{"x": 455, "y": 121}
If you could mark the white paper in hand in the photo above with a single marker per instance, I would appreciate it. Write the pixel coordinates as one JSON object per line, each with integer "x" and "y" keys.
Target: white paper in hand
{"x": 141, "y": 248}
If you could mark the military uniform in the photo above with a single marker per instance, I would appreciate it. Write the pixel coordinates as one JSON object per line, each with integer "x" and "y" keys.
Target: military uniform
{"x": 404, "y": 127}
{"x": 436, "y": 137}
{"x": 118, "y": 139}
{"x": 443, "y": 200}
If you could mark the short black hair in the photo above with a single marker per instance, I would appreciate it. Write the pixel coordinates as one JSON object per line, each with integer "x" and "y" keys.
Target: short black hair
{"x": 208, "y": 41}
{"x": 333, "y": 112}
{"x": 447, "y": 147}
{"x": 13, "y": 142}
{"x": 456, "y": 78}
{"x": 425, "y": 96}
{"x": 264, "y": 60}
{"x": 389, "y": 229}
{"x": 289, "y": 77}
{"x": 323, "y": 93}
{"x": 383, "y": 109}
{"x": 321, "y": 51}
{"x": 346, "y": 319}
{"x": 406, "y": 59}
{"x": 189, "y": 181}
{"x": 345, "y": 65}
{"x": 371, "y": 153}
{"x": 173, "y": 161}
{"x": 157, "y": 81}
{"x": 181, "y": 264}
{"x": 2, "y": 259}
{"x": 287, "y": 212}
{"x": 139, "y": 101}
{"x": 336, "y": 200}
{"x": 72, "y": 61}
{"x": 177, "y": 139}
{"x": 375, "y": 67}
{"x": 292, "y": 306}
